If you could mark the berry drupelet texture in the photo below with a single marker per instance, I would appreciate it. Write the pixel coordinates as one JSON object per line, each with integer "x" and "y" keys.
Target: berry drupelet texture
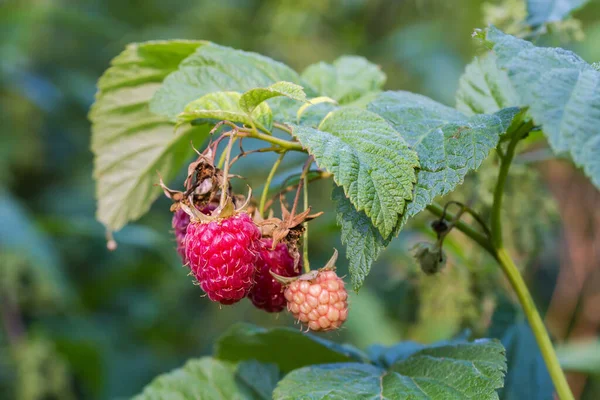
{"x": 222, "y": 255}
{"x": 320, "y": 303}
{"x": 267, "y": 293}
{"x": 180, "y": 222}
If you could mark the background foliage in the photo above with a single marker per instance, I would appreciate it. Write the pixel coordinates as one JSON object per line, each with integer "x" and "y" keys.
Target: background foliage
{"x": 76, "y": 318}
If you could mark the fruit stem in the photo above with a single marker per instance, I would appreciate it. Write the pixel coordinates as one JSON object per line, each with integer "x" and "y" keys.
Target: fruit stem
{"x": 303, "y": 182}
{"x": 265, "y": 192}
{"x": 225, "y": 185}
{"x": 305, "y": 237}
{"x": 465, "y": 228}
{"x": 222, "y": 158}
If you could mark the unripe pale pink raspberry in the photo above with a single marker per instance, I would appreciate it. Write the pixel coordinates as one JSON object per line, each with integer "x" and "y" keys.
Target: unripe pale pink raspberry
{"x": 222, "y": 255}
{"x": 318, "y": 302}
{"x": 267, "y": 293}
{"x": 180, "y": 223}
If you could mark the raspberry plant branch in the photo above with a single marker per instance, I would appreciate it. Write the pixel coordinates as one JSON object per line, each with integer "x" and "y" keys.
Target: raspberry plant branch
{"x": 537, "y": 325}
{"x": 514, "y": 276}
{"x": 505, "y": 162}
{"x": 519, "y": 286}
{"x": 265, "y": 192}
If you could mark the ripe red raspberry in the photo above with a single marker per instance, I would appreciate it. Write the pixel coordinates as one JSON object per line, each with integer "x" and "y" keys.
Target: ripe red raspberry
{"x": 222, "y": 255}
{"x": 320, "y": 301}
{"x": 267, "y": 293}
{"x": 180, "y": 222}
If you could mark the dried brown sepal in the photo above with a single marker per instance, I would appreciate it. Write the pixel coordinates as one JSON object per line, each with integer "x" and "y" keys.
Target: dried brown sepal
{"x": 227, "y": 210}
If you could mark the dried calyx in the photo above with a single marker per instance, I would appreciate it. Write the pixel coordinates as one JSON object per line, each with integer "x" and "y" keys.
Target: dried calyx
{"x": 288, "y": 229}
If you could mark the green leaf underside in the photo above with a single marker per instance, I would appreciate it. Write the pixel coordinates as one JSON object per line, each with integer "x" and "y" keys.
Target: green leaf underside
{"x": 545, "y": 11}
{"x": 449, "y": 144}
{"x": 484, "y": 88}
{"x": 368, "y": 159}
{"x": 214, "y": 68}
{"x": 562, "y": 92}
{"x": 204, "y": 378}
{"x": 287, "y": 348}
{"x": 363, "y": 241}
{"x": 252, "y": 98}
{"x": 128, "y": 141}
{"x": 464, "y": 371}
{"x": 225, "y": 106}
{"x": 346, "y": 80}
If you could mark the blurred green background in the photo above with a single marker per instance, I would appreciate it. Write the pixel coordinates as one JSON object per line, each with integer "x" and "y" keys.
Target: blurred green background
{"x": 79, "y": 322}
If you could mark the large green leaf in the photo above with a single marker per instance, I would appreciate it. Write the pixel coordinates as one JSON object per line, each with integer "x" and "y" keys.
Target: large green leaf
{"x": 129, "y": 142}
{"x": 544, "y": 11}
{"x": 214, "y": 68}
{"x": 346, "y": 80}
{"x": 484, "y": 88}
{"x": 562, "y": 92}
{"x": 464, "y": 371}
{"x": 287, "y": 348}
{"x": 368, "y": 159}
{"x": 449, "y": 143}
{"x": 226, "y": 106}
{"x": 363, "y": 241}
{"x": 206, "y": 379}
{"x": 253, "y": 97}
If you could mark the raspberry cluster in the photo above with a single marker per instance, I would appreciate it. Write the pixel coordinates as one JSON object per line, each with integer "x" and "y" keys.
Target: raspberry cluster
{"x": 232, "y": 255}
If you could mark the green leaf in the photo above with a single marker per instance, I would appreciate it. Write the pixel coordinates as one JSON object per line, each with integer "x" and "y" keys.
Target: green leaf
{"x": 346, "y": 80}
{"x": 215, "y": 68}
{"x": 226, "y": 106}
{"x": 484, "y": 88}
{"x": 449, "y": 143}
{"x": 363, "y": 241}
{"x": 129, "y": 142}
{"x": 465, "y": 371}
{"x": 562, "y": 92}
{"x": 252, "y": 98}
{"x": 544, "y": 11}
{"x": 261, "y": 378}
{"x": 287, "y": 348}
{"x": 204, "y": 378}
{"x": 368, "y": 159}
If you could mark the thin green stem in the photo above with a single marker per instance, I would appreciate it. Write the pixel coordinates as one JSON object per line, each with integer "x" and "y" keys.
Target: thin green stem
{"x": 225, "y": 186}
{"x": 505, "y": 161}
{"x": 305, "y": 238}
{"x": 537, "y": 325}
{"x": 282, "y": 127}
{"x": 284, "y": 144}
{"x": 222, "y": 158}
{"x": 265, "y": 192}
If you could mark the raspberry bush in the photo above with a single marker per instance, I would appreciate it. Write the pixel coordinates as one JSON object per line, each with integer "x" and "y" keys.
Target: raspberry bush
{"x": 389, "y": 155}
